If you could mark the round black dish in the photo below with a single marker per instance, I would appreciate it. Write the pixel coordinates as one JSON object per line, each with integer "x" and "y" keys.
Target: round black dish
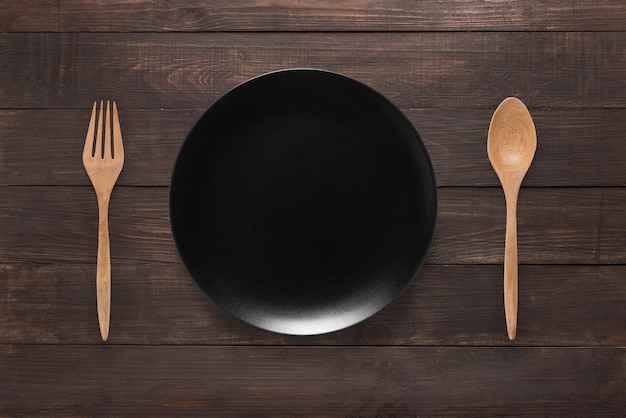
{"x": 303, "y": 202}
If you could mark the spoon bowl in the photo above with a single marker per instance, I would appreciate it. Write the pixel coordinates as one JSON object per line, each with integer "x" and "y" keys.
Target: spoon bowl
{"x": 511, "y": 146}
{"x": 512, "y": 137}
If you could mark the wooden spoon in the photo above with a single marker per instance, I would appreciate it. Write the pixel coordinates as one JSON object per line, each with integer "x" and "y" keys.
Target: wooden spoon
{"x": 511, "y": 146}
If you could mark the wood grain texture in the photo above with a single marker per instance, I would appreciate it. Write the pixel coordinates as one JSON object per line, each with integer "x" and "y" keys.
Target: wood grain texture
{"x": 311, "y": 382}
{"x": 555, "y": 225}
{"x": 103, "y": 158}
{"x": 511, "y": 146}
{"x": 414, "y": 70}
{"x": 577, "y": 147}
{"x": 446, "y": 305}
{"x": 290, "y": 15}
{"x": 441, "y": 348}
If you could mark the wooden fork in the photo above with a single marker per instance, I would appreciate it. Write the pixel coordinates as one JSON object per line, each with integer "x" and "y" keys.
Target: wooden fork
{"x": 103, "y": 161}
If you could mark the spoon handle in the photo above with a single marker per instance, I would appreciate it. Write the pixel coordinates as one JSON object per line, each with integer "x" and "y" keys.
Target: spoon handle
{"x": 510, "y": 265}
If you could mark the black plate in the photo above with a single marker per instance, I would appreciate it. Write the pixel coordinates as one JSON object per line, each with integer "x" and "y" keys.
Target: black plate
{"x": 303, "y": 202}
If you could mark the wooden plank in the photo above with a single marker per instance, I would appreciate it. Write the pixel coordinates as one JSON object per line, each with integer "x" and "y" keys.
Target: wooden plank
{"x": 576, "y": 147}
{"x": 451, "y": 305}
{"x": 311, "y": 382}
{"x": 555, "y": 225}
{"x": 455, "y": 70}
{"x": 152, "y": 139}
{"x": 289, "y": 15}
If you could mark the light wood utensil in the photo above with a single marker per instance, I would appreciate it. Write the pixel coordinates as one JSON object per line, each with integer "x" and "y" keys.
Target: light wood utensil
{"x": 103, "y": 160}
{"x": 511, "y": 146}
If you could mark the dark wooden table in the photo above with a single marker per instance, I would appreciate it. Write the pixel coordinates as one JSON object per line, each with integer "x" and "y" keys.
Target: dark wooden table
{"x": 441, "y": 348}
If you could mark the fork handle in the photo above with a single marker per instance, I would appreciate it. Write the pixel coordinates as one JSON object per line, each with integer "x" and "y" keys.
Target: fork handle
{"x": 103, "y": 275}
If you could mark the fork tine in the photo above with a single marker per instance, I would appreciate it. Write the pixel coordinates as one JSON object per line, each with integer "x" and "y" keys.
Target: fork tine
{"x": 118, "y": 146}
{"x": 98, "y": 152}
{"x": 107, "y": 134}
{"x": 88, "y": 150}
